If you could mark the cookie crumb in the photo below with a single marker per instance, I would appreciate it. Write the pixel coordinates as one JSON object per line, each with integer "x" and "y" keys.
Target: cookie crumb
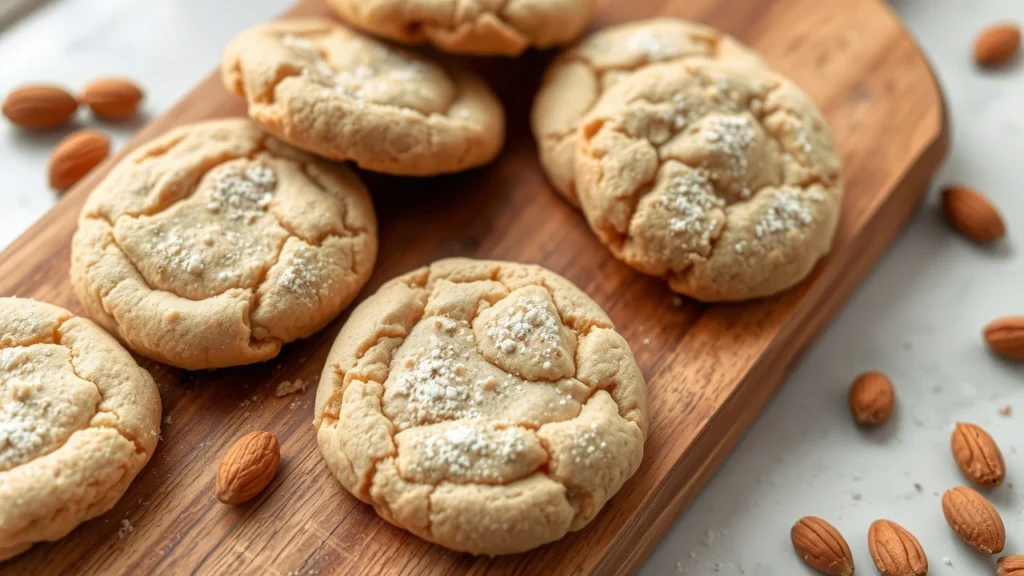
{"x": 125, "y": 529}
{"x": 1006, "y": 410}
{"x": 286, "y": 387}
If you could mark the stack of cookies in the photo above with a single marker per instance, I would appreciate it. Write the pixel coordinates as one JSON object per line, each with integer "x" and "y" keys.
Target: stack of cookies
{"x": 489, "y": 407}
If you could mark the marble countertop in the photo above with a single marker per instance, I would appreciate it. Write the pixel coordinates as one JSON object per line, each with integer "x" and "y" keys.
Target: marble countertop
{"x": 918, "y": 317}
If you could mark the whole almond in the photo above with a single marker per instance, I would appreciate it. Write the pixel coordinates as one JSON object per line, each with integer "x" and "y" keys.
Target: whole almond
{"x": 247, "y": 467}
{"x": 1010, "y": 566}
{"x": 977, "y": 455}
{"x": 75, "y": 155}
{"x": 39, "y": 106}
{"x": 1005, "y": 336}
{"x": 974, "y": 519}
{"x": 970, "y": 212}
{"x": 112, "y": 98}
{"x": 996, "y": 44}
{"x": 872, "y": 399}
{"x": 822, "y": 546}
{"x": 895, "y": 551}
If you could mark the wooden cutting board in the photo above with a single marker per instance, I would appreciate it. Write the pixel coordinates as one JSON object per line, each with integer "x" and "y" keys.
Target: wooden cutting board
{"x": 710, "y": 369}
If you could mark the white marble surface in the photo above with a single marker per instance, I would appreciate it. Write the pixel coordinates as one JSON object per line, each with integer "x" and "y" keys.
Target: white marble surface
{"x": 918, "y": 317}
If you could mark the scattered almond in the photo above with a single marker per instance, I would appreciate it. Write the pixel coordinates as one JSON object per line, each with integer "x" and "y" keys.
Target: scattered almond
{"x": 997, "y": 44}
{"x": 871, "y": 399}
{"x": 822, "y": 546}
{"x": 112, "y": 98}
{"x": 970, "y": 212}
{"x": 75, "y": 155}
{"x": 895, "y": 551}
{"x": 1005, "y": 337}
{"x": 974, "y": 519}
{"x": 39, "y": 106}
{"x": 247, "y": 467}
{"x": 1010, "y": 566}
{"x": 977, "y": 455}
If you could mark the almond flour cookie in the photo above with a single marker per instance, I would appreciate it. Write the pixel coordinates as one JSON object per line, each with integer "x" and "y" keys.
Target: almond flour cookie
{"x": 331, "y": 91}
{"x": 489, "y": 407}
{"x": 78, "y": 420}
{"x": 578, "y": 77}
{"x": 495, "y": 27}
{"x": 215, "y": 244}
{"x": 720, "y": 175}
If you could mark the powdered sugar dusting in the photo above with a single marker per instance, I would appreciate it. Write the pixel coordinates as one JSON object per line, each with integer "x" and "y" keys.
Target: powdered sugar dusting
{"x": 652, "y": 45}
{"x": 787, "y": 212}
{"x": 435, "y": 386}
{"x": 469, "y": 449}
{"x": 30, "y": 426}
{"x": 302, "y": 275}
{"x": 730, "y": 136}
{"x": 585, "y": 442}
{"x": 298, "y": 43}
{"x": 529, "y": 319}
{"x": 691, "y": 199}
{"x": 378, "y": 72}
{"x": 242, "y": 193}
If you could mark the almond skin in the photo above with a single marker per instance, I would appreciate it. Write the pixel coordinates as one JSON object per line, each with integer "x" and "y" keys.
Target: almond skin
{"x": 974, "y": 519}
{"x": 977, "y": 455}
{"x": 112, "y": 98}
{"x": 974, "y": 215}
{"x": 75, "y": 155}
{"x": 247, "y": 467}
{"x": 997, "y": 44}
{"x": 39, "y": 106}
{"x": 872, "y": 399}
{"x": 895, "y": 551}
{"x": 1005, "y": 337}
{"x": 1010, "y": 566}
{"x": 822, "y": 546}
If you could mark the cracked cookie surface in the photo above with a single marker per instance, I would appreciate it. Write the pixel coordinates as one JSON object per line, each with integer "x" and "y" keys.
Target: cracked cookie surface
{"x": 335, "y": 92}
{"x": 215, "y": 244}
{"x": 481, "y": 27}
{"x": 578, "y": 77}
{"x": 489, "y": 407}
{"x": 719, "y": 175}
{"x": 78, "y": 420}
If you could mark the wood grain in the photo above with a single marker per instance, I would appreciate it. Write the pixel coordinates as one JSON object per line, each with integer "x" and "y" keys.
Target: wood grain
{"x": 710, "y": 370}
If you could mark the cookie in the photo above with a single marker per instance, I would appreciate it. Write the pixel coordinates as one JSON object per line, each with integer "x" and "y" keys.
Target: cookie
{"x": 78, "y": 421}
{"x": 719, "y": 175}
{"x": 489, "y": 407}
{"x": 481, "y": 27}
{"x": 578, "y": 77}
{"x": 332, "y": 91}
{"x": 215, "y": 244}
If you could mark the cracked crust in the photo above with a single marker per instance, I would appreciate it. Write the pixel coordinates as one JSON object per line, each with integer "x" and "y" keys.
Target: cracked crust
{"x": 578, "y": 77}
{"x": 489, "y": 407}
{"x": 215, "y": 244}
{"x": 719, "y": 175}
{"x": 78, "y": 420}
{"x": 480, "y": 27}
{"x": 325, "y": 88}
